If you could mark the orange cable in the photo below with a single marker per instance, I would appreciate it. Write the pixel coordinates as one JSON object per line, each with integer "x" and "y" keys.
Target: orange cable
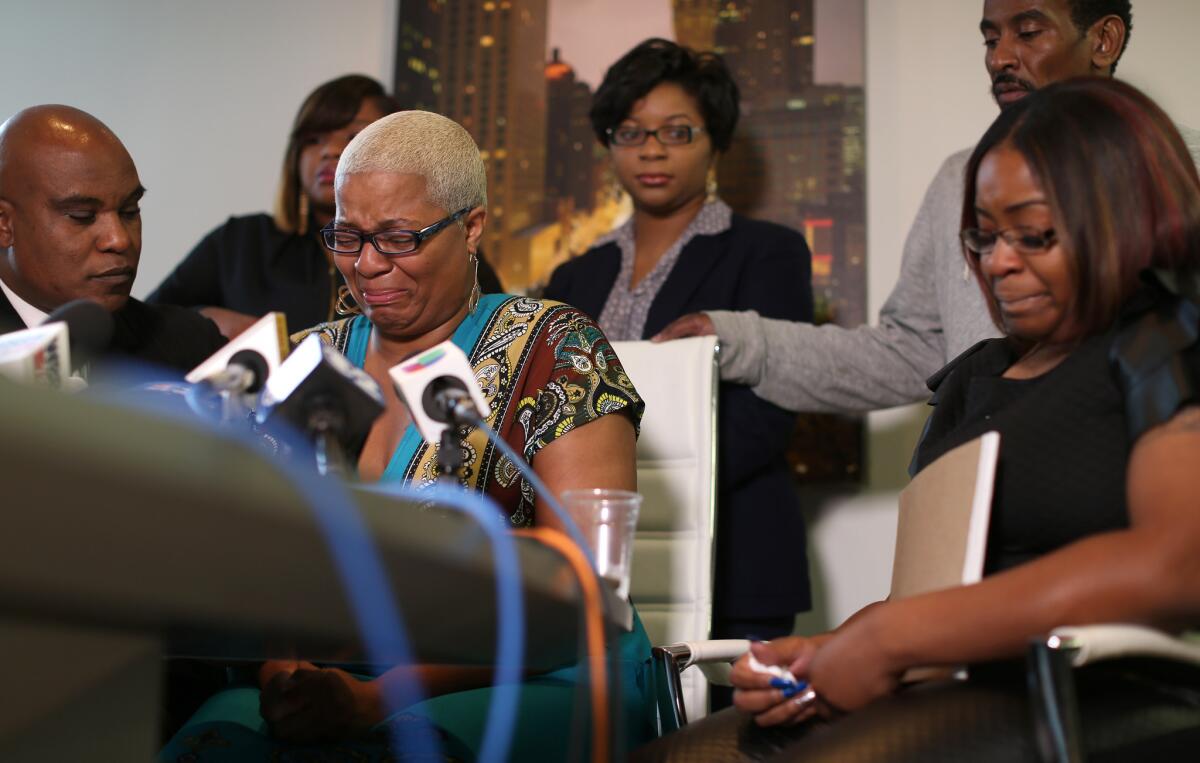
{"x": 594, "y": 617}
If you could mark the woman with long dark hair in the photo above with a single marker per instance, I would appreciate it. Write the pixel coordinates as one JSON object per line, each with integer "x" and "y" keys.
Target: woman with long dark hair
{"x": 257, "y": 263}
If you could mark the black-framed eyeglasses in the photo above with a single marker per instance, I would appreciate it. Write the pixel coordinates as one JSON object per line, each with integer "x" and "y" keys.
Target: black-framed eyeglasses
{"x": 1024, "y": 239}
{"x": 667, "y": 135}
{"x": 392, "y": 243}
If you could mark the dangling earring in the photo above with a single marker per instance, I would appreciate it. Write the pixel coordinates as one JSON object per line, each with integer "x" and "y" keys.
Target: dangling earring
{"x": 476, "y": 292}
{"x": 302, "y": 213}
{"x": 710, "y": 184}
{"x": 346, "y": 304}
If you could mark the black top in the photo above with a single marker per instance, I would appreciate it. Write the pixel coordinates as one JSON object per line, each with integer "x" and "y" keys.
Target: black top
{"x": 761, "y": 564}
{"x": 1064, "y": 445}
{"x": 164, "y": 335}
{"x": 251, "y": 266}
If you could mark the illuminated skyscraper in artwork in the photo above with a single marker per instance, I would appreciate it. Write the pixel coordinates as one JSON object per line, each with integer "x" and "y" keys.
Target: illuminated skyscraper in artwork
{"x": 797, "y": 157}
{"x": 695, "y": 22}
{"x": 416, "y": 75}
{"x": 570, "y": 149}
{"x": 490, "y": 78}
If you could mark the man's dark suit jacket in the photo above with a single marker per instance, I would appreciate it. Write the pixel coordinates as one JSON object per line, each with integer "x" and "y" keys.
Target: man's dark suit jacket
{"x": 762, "y": 567}
{"x": 172, "y": 337}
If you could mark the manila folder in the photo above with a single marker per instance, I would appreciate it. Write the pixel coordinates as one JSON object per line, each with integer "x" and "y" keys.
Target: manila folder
{"x": 941, "y": 535}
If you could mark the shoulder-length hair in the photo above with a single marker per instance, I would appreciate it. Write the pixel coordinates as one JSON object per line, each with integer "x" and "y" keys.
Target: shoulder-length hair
{"x": 1120, "y": 182}
{"x": 330, "y": 107}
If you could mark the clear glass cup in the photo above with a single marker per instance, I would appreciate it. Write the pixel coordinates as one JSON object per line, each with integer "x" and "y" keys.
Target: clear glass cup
{"x": 607, "y": 519}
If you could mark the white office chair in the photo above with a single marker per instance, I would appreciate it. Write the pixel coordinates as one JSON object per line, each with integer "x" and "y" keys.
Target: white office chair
{"x": 672, "y": 572}
{"x": 1051, "y": 664}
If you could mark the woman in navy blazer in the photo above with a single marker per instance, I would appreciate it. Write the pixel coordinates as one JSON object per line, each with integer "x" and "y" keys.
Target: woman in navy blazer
{"x": 666, "y": 113}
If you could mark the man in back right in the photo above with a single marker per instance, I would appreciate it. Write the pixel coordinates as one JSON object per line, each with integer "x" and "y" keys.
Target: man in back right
{"x": 936, "y": 310}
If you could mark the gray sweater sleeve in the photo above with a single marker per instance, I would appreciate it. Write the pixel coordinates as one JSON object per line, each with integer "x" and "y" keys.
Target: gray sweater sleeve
{"x": 834, "y": 369}
{"x": 932, "y": 315}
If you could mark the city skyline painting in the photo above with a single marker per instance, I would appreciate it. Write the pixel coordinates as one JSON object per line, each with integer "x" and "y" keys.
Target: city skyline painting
{"x": 519, "y": 75}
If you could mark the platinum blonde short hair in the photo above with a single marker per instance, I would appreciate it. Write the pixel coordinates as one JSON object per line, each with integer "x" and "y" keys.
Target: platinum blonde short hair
{"x": 426, "y": 144}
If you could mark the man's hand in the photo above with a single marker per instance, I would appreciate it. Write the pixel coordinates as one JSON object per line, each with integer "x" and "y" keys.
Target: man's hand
{"x": 229, "y": 322}
{"x": 692, "y": 324}
{"x": 309, "y": 705}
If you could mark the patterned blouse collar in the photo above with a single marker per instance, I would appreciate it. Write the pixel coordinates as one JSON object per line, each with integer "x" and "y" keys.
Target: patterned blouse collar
{"x": 625, "y": 311}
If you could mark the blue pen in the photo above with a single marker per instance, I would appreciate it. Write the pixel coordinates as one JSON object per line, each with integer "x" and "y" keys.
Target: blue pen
{"x": 789, "y": 688}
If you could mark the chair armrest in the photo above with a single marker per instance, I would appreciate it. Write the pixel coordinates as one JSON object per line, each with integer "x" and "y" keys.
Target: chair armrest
{"x": 714, "y": 657}
{"x": 711, "y": 650}
{"x": 1094, "y": 643}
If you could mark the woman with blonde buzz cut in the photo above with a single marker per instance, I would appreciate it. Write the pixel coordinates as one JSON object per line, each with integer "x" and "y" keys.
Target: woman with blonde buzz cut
{"x": 411, "y": 205}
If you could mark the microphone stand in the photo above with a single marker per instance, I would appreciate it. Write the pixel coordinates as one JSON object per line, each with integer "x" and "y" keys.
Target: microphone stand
{"x": 234, "y": 409}
{"x": 457, "y": 411}
{"x": 449, "y": 459}
{"x": 325, "y": 424}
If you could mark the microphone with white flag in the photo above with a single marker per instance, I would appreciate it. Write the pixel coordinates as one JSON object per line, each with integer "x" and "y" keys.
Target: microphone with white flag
{"x": 243, "y": 365}
{"x": 439, "y": 388}
{"x": 40, "y": 355}
{"x": 319, "y": 392}
{"x": 68, "y": 338}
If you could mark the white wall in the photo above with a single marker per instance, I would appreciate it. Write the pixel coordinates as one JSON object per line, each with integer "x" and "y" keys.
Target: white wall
{"x": 201, "y": 93}
{"x": 927, "y": 96}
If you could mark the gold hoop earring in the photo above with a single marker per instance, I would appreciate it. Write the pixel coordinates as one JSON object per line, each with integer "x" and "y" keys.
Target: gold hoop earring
{"x": 302, "y": 213}
{"x": 346, "y": 304}
{"x": 710, "y": 184}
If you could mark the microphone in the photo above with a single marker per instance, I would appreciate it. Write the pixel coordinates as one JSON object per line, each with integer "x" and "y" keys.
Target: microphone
{"x": 243, "y": 365}
{"x": 89, "y": 330}
{"x": 246, "y": 373}
{"x": 440, "y": 390}
{"x": 40, "y": 355}
{"x": 441, "y": 393}
{"x": 320, "y": 393}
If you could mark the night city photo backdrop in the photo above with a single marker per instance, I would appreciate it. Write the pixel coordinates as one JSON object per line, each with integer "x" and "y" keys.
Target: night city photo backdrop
{"x": 519, "y": 75}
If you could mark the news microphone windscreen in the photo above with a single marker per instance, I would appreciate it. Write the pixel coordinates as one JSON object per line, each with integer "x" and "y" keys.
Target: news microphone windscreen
{"x": 254, "y": 362}
{"x": 89, "y": 329}
{"x": 442, "y": 366}
{"x": 267, "y": 336}
{"x": 40, "y": 355}
{"x": 318, "y": 381}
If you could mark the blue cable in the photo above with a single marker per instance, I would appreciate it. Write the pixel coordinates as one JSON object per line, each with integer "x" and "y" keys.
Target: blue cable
{"x": 363, "y": 576}
{"x": 552, "y": 501}
{"x": 510, "y": 645}
{"x": 540, "y": 488}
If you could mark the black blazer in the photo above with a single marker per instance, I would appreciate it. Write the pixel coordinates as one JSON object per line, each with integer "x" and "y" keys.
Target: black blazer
{"x": 172, "y": 337}
{"x": 762, "y": 567}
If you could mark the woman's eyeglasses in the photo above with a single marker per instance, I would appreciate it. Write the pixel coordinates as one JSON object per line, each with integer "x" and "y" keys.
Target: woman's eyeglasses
{"x": 392, "y": 243}
{"x": 1022, "y": 238}
{"x": 667, "y": 135}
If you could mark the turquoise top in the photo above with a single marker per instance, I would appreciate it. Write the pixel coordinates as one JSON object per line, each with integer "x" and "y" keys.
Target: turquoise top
{"x": 465, "y": 337}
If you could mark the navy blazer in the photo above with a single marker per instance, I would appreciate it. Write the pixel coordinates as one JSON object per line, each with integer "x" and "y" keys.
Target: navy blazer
{"x": 761, "y": 568}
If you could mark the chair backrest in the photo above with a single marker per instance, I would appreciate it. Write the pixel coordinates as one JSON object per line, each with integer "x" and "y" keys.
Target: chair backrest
{"x": 672, "y": 572}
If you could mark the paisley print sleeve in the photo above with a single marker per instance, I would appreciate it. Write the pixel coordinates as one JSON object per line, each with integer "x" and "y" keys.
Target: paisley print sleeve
{"x": 582, "y": 381}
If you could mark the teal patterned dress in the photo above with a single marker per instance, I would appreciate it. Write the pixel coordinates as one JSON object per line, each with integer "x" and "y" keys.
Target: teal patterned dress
{"x": 545, "y": 369}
